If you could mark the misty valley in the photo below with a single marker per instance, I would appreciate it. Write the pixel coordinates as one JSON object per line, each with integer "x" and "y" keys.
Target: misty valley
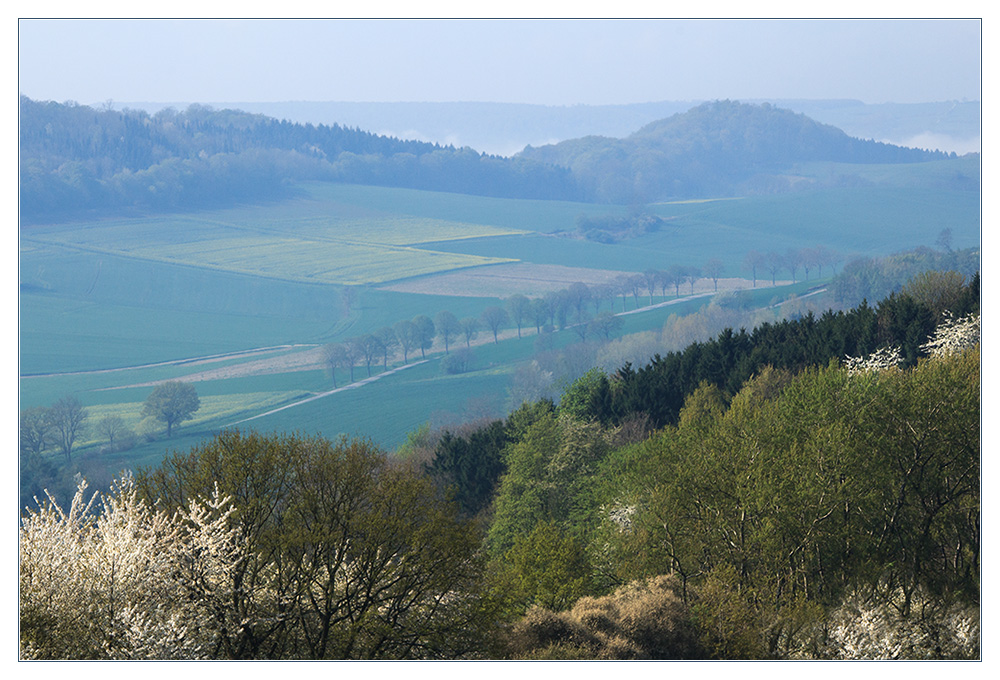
{"x": 709, "y": 389}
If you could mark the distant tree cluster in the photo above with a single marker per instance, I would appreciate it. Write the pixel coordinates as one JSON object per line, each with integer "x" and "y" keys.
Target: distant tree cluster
{"x": 792, "y": 260}
{"x": 867, "y": 278}
{"x": 659, "y": 388}
{"x": 62, "y": 426}
{"x": 611, "y": 229}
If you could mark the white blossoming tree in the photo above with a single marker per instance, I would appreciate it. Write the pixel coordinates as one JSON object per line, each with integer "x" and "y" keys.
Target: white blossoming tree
{"x": 882, "y": 359}
{"x": 954, "y": 335}
{"x": 113, "y": 578}
{"x": 860, "y": 629}
{"x": 950, "y": 337}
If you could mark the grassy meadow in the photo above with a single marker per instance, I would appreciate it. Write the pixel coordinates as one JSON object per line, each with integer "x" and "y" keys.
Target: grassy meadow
{"x": 148, "y": 294}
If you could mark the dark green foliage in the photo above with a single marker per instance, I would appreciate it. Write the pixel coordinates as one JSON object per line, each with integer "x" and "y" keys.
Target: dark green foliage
{"x": 471, "y": 464}
{"x": 905, "y": 322}
{"x": 611, "y": 228}
{"x": 459, "y": 362}
{"x": 729, "y": 360}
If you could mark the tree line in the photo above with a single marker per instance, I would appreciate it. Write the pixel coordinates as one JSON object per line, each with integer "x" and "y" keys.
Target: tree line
{"x": 588, "y": 310}
{"x": 81, "y": 160}
{"x": 78, "y": 160}
{"x": 824, "y": 505}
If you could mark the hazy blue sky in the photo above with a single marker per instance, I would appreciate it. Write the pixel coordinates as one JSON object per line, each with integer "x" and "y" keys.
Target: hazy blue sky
{"x": 539, "y": 62}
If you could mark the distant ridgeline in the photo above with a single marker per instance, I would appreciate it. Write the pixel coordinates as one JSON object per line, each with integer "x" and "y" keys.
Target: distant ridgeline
{"x": 719, "y": 148}
{"x": 76, "y": 159}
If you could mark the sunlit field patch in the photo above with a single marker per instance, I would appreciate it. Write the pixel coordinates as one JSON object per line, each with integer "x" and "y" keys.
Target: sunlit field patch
{"x": 212, "y": 408}
{"x": 281, "y": 257}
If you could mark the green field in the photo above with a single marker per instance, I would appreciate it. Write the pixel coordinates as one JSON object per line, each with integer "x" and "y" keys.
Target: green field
{"x": 296, "y": 247}
{"x": 144, "y": 292}
{"x": 868, "y": 221}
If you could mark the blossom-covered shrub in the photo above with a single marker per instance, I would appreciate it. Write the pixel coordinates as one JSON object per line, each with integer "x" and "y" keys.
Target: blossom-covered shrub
{"x": 113, "y": 578}
{"x": 860, "y": 629}
{"x": 954, "y": 335}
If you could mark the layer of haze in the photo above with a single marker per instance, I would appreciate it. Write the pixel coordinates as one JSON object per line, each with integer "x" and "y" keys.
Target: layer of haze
{"x": 552, "y": 62}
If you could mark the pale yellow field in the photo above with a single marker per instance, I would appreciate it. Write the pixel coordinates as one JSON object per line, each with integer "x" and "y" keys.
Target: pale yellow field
{"x": 280, "y": 256}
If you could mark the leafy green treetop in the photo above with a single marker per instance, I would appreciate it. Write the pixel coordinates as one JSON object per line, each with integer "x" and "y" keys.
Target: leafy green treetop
{"x": 172, "y": 402}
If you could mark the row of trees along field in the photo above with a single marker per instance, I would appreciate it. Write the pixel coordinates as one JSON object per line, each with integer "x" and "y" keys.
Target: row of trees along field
{"x": 77, "y": 158}
{"x": 568, "y": 307}
{"x": 812, "y": 493}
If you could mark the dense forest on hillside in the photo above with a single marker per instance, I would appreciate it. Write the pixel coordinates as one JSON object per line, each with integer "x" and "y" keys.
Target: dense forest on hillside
{"x": 719, "y": 148}
{"x": 506, "y": 128}
{"x": 76, "y": 159}
{"x": 806, "y": 490}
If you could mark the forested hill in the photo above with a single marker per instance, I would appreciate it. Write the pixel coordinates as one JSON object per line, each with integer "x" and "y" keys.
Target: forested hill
{"x": 717, "y": 148}
{"x": 76, "y": 159}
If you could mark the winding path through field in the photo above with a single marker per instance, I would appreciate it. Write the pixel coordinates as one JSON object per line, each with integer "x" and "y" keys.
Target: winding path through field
{"x": 352, "y": 386}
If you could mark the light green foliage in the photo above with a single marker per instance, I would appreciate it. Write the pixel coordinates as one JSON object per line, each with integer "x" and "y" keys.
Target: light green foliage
{"x": 172, "y": 402}
{"x": 939, "y": 290}
{"x": 549, "y": 472}
{"x": 417, "y": 442}
{"x": 806, "y": 486}
{"x": 582, "y": 396}
{"x": 702, "y": 406}
{"x": 546, "y": 568}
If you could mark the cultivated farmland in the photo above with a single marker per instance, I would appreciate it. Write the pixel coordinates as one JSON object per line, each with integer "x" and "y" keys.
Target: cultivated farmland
{"x": 340, "y": 261}
{"x": 310, "y": 250}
